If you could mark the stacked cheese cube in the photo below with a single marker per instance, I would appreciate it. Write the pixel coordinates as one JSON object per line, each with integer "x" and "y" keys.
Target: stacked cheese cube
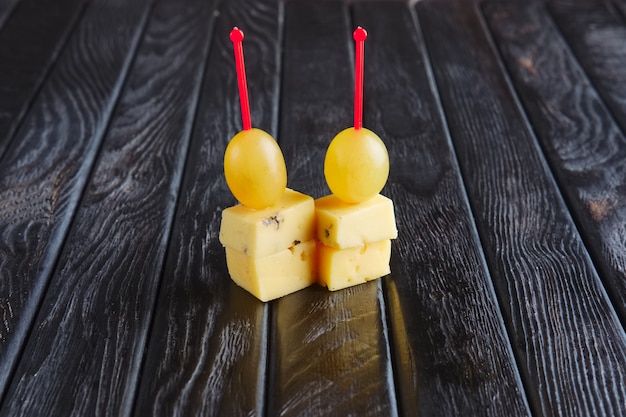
{"x": 271, "y": 252}
{"x": 355, "y": 244}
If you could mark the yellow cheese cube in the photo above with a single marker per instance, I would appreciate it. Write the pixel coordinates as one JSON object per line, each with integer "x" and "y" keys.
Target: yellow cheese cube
{"x": 259, "y": 233}
{"x": 341, "y": 268}
{"x": 275, "y": 275}
{"x": 343, "y": 225}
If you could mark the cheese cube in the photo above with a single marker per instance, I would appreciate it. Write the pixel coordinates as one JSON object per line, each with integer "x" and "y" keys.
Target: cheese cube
{"x": 343, "y": 225}
{"x": 259, "y": 233}
{"x": 275, "y": 275}
{"x": 342, "y": 268}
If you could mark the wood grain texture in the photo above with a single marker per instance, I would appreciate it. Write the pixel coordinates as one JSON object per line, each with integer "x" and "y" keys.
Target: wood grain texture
{"x": 329, "y": 350}
{"x": 318, "y": 88}
{"x": 43, "y": 173}
{"x": 452, "y": 353}
{"x": 567, "y": 338}
{"x": 586, "y": 148}
{"x": 29, "y": 45}
{"x": 596, "y": 33}
{"x": 103, "y": 291}
{"x": 207, "y": 351}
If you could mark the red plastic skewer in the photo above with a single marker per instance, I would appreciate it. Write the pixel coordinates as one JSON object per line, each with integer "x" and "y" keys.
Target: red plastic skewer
{"x": 359, "y": 36}
{"x": 236, "y": 37}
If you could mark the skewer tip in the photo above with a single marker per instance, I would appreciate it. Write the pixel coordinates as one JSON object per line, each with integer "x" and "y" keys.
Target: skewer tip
{"x": 359, "y": 34}
{"x": 236, "y": 35}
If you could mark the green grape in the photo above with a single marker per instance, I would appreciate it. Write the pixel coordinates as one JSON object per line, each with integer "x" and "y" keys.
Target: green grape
{"x": 255, "y": 169}
{"x": 356, "y": 166}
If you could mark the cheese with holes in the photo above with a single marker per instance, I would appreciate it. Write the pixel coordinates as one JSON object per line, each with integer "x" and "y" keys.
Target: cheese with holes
{"x": 343, "y": 225}
{"x": 342, "y": 268}
{"x": 259, "y": 233}
{"x": 272, "y": 276}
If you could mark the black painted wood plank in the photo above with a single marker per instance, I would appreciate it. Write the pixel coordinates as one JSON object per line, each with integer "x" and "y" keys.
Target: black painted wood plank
{"x": 568, "y": 341}
{"x": 43, "y": 172}
{"x": 596, "y": 33}
{"x": 103, "y": 291}
{"x": 6, "y": 8}
{"x": 452, "y": 353}
{"x": 585, "y": 147}
{"x": 329, "y": 350}
{"x": 207, "y": 351}
{"x": 29, "y": 44}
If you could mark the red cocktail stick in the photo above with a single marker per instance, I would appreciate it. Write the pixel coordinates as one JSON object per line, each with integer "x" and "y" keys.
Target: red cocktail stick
{"x": 359, "y": 36}
{"x": 236, "y": 36}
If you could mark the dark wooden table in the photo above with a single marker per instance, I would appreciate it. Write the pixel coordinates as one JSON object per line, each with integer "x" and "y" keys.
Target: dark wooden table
{"x": 505, "y": 124}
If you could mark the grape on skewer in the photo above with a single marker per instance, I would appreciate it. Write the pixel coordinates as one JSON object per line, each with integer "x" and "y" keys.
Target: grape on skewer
{"x": 356, "y": 166}
{"x": 254, "y": 165}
